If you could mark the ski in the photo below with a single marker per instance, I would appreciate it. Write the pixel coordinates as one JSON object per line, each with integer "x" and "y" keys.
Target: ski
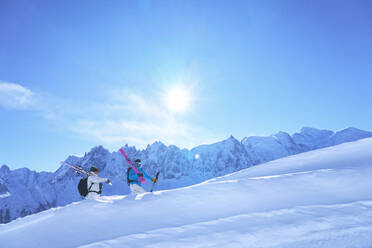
{"x": 142, "y": 179}
{"x": 78, "y": 169}
{"x": 156, "y": 177}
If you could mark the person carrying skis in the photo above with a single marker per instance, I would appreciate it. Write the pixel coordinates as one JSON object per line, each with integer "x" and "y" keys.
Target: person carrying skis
{"x": 133, "y": 180}
{"x": 95, "y": 184}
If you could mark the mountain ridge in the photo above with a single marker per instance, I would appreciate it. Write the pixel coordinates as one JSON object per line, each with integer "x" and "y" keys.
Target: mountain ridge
{"x": 31, "y": 191}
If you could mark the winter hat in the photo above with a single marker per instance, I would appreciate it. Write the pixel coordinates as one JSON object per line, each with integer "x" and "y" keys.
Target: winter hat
{"x": 93, "y": 169}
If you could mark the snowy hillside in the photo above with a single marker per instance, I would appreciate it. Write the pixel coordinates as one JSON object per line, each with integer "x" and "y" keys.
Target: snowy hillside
{"x": 23, "y": 192}
{"x": 316, "y": 199}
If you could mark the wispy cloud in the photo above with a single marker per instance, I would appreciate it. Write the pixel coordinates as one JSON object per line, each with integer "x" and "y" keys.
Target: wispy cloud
{"x": 15, "y": 96}
{"x": 121, "y": 118}
{"x": 137, "y": 120}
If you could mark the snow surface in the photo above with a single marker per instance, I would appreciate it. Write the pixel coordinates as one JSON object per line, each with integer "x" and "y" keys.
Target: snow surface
{"x": 317, "y": 199}
{"x": 32, "y": 192}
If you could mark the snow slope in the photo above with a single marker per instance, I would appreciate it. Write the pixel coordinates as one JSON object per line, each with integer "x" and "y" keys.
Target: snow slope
{"x": 317, "y": 199}
{"x": 32, "y": 192}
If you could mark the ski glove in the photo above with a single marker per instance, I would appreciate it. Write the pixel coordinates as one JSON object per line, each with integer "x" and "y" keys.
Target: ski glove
{"x": 108, "y": 181}
{"x": 140, "y": 174}
{"x": 154, "y": 180}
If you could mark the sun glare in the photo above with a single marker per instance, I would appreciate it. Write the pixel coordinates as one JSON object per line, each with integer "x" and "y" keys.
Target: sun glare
{"x": 178, "y": 99}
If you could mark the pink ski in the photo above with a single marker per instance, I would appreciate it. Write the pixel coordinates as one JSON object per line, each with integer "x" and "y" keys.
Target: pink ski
{"x": 142, "y": 179}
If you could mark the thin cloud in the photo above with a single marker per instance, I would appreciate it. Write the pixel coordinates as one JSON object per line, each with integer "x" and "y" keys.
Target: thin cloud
{"x": 139, "y": 121}
{"x": 121, "y": 118}
{"x": 15, "y": 96}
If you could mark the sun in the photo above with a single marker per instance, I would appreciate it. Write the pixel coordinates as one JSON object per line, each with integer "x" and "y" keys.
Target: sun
{"x": 177, "y": 99}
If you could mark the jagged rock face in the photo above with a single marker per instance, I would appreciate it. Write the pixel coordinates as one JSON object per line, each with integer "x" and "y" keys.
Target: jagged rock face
{"x": 24, "y": 192}
{"x": 219, "y": 159}
{"x": 27, "y": 192}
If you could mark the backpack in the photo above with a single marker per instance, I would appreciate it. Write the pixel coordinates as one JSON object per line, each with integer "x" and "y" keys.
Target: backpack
{"x": 83, "y": 187}
{"x": 128, "y": 180}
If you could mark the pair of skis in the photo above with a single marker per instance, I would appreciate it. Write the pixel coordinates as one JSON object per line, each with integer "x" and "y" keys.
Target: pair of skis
{"x": 141, "y": 178}
{"x": 80, "y": 170}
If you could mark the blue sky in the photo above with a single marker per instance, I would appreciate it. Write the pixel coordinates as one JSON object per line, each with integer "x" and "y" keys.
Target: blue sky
{"x": 76, "y": 74}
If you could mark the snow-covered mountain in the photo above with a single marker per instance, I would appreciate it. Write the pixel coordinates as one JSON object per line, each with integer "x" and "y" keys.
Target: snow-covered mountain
{"x": 319, "y": 199}
{"x": 264, "y": 149}
{"x": 23, "y": 192}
